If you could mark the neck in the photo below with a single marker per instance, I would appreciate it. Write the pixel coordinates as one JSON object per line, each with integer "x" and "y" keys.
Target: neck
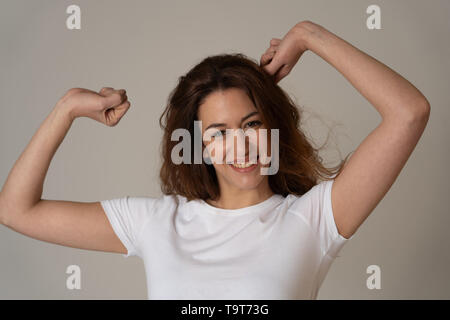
{"x": 235, "y": 198}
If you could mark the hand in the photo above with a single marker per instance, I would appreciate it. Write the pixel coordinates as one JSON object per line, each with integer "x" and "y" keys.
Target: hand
{"x": 107, "y": 106}
{"x": 283, "y": 54}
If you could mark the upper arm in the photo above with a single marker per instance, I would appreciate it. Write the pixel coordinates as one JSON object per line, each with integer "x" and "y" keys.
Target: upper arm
{"x": 81, "y": 225}
{"x": 372, "y": 169}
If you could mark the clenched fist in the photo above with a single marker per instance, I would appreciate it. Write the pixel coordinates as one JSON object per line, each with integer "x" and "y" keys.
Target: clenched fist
{"x": 282, "y": 55}
{"x": 107, "y": 106}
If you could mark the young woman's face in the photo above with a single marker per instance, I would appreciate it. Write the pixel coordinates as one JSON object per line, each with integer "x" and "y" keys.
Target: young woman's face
{"x": 232, "y": 109}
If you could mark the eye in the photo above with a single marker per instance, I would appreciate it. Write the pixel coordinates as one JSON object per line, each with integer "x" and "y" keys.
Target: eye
{"x": 253, "y": 123}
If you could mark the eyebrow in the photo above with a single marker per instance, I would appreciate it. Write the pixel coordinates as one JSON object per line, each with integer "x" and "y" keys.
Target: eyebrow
{"x": 214, "y": 125}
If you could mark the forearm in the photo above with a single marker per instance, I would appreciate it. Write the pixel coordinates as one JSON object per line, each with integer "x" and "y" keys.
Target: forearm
{"x": 24, "y": 184}
{"x": 392, "y": 95}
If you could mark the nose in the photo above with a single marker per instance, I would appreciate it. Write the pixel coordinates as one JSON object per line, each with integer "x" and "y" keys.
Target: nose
{"x": 241, "y": 145}
{"x": 243, "y": 149}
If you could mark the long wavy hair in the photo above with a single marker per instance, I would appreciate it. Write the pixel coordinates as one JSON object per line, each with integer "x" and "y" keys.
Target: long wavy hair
{"x": 300, "y": 166}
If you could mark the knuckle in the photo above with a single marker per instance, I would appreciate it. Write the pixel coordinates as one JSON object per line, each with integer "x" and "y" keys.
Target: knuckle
{"x": 105, "y": 89}
{"x": 275, "y": 41}
{"x": 304, "y": 23}
{"x": 74, "y": 90}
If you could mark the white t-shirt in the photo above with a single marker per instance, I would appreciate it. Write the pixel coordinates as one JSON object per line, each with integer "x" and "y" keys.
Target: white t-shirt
{"x": 281, "y": 248}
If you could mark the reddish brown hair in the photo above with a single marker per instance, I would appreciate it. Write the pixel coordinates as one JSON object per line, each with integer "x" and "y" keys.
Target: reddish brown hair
{"x": 300, "y": 165}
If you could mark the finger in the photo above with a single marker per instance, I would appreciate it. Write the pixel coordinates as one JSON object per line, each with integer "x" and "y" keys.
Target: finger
{"x": 122, "y": 108}
{"x": 113, "y": 115}
{"x": 275, "y": 42}
{"x": 273, "y": 66}
{"x": 268, "y": 54}
{"x": 266, "y": 57}
{"x": 106, "y": 90}
{"x": 271, "y": 48}
{"x": 116, "y": 97}
{"x": 282, "y": 72}
{"x": 113, "y": 99}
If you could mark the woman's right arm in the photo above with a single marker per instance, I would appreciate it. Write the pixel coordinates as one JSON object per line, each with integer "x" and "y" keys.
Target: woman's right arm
{"x": 81, "y": 225}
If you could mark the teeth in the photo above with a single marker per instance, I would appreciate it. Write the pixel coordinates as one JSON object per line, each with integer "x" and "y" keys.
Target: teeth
{"x": 242, "y": 165}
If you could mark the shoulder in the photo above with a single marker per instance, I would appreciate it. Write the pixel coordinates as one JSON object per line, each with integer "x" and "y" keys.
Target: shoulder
{"x": 141, "y": 207}
{"x": 155, "y": 204}
{"x": 312, "y": 203}
{"x": 163, "y": 203}
{"x": 317, "y": 192}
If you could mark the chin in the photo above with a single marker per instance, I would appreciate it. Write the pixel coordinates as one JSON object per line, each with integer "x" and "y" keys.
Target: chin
{"x": 244, "y": 181}
{"x": 246, "y": 185}
{"x": 249, "y": 183}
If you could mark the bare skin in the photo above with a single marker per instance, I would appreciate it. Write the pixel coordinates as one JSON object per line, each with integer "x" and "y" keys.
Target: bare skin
{"x": 81, "y": 225}
{"x": 228, "y": 108}
{"x": 378, "y": 160}
{"x": 364, "y": 181}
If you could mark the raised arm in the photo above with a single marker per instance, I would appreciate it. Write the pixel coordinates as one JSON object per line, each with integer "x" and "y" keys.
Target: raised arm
{"x": 378, "y": 160}
{"x": 81, "y": 225}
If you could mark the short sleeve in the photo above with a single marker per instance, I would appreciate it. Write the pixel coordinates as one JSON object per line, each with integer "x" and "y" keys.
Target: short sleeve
{"x": 315, "y": 207}
{"x": 128, "y": 216}
{"x": 331, "y": 237}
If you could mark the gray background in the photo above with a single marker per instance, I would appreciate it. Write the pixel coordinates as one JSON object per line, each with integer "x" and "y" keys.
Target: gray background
{"x": 144, "y": 46}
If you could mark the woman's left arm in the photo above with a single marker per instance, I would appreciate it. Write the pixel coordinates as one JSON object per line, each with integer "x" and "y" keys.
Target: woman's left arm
{"x": 378, "y": 160}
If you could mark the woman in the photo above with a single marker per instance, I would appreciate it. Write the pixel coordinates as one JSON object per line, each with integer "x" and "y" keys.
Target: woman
{"x": 224, "y": 230}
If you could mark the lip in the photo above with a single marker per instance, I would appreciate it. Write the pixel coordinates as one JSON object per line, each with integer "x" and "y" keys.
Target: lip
{"x": 247, "y": 159}
{"x": 245, "y": 170}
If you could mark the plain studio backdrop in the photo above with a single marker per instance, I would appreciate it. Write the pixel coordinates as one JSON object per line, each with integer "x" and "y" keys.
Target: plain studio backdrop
{"x": 144, "y": 46}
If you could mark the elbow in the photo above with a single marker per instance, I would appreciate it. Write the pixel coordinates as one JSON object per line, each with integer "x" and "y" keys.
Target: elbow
{"x": 10, "y": 211}
{"x": 424, "y": 110}
{"x": 419, "y": 114}
{"x": 412, "y": 114}
{"x": 2, "y": 211}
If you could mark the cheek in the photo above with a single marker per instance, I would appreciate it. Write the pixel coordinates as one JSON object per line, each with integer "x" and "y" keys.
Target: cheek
{"x": 216, "y": 150}
{"x": 264, "y": 142}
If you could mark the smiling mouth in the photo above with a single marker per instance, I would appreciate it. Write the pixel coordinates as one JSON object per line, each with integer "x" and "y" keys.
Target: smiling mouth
{"x": 245, "y": 164}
